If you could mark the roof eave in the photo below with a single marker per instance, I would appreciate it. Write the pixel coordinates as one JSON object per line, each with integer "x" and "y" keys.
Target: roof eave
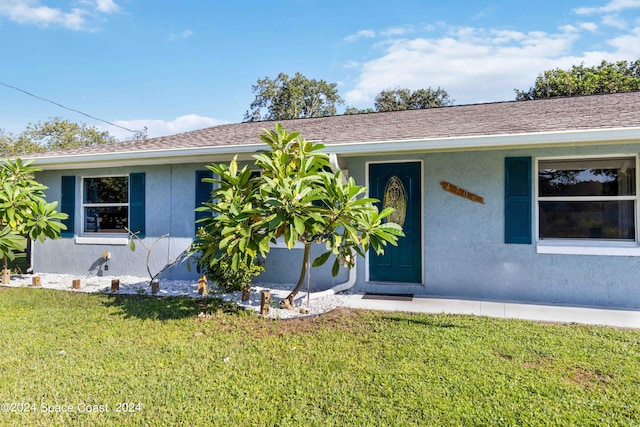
{"x": 147, "y": 157}
{"x": 222, "y": 153}
{"x": 493, "y": 142}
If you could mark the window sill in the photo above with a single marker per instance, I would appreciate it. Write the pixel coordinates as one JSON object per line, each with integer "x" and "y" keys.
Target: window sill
{"x": 589, "y": 248}
{"x": 101, "y": 240}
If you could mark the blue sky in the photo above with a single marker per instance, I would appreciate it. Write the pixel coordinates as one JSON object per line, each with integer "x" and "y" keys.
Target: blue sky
{"x": 175, "y": 66}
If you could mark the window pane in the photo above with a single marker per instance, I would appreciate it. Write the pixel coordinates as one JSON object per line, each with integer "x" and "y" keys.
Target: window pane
{"x": 587, "y": 220}
{"x": 106, "y": 220}
{"x": 587, "y": 177}
{"x": 113, "y": 189}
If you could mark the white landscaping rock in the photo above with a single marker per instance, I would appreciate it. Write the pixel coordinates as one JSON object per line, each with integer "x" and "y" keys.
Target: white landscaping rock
{"x": 140, "y": 285}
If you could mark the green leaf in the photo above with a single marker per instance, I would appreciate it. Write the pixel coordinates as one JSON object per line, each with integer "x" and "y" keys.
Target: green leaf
{"x": 233, "y": 167}
{"x": 263, "y": 245}
{"x": 321, "y": 259}
{"x": 298, "y": 224}
{"x": 274, "y": 202}
{"x": 353, "y": 233}
{"x": 276, "y": 221}
{"x": 364, "y": 201}
{"x": 291, "y": 236}
{"x": 234, "y": 261}
{"x": 336, "y": 268}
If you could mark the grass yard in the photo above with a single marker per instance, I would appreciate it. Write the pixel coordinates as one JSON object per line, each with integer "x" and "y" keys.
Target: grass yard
{"x": 152, "y": 361}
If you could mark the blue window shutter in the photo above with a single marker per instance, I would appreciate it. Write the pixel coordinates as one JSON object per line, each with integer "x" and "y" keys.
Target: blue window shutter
{"x": 136, "y": 204}
{"x": 517, "y": 206}
{"x": 203, "y": 192}
{"x": 68, "y": 204}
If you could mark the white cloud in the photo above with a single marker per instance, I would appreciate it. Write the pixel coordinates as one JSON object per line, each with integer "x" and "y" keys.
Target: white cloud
{"x": 611, "y": 7}
{"x": 627, "y": 46}
{"x": 157, "y": 127}
{"x": 480, "y": 65}
{"x": 569, "y": 28}
{"x": 185, "y": 34}
{"x": 32, "y": 12}
{"x": 362, "y": 34}
{"x": 589, "y": 26}
{"x": 503, "y": 36}
{"x": 351, "y": 64}
{"x": 479, "y": 15}
{"x": 483, "y": 65}
{"x": 615, "y": 21}
{"x": 398, "y": 31}
{"x": 107, "y": 6}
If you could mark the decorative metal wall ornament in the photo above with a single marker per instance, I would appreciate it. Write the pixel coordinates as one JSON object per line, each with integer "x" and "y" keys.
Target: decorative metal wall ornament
{"x": 454, "y": 189}
{"x": 395, "y": 197}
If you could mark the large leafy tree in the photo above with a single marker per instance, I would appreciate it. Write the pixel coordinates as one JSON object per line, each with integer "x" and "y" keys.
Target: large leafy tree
{"x": 608, "y": 77}
{"x": 355, "y": 110}
{"x": 297, "y": 198}
{"x": 406, "y": 99}
{"x": 54, "y": 134}
{"x": 24, "y": 212}
{"x": 294, "y": 97}
{"x": 11, "y": 145}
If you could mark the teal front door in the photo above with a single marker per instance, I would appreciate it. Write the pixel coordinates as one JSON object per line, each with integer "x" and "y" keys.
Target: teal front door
{"x": 398, "y": 185}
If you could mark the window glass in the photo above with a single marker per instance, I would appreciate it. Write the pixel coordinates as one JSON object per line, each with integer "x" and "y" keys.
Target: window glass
{"x": 112, "y": 219}
{"x": 105, "y": 204}
{"x": 112, "y": 189}
{"x": 587, "y": 198}
{"x": 587, "y": 177}
{"x": 587, "y": 220}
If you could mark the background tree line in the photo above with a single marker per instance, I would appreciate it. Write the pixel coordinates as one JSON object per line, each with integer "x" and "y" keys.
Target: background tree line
{"x": 285, "y": 97}
{"x": 54, "y": 134}
{"x": 608, "y": 77}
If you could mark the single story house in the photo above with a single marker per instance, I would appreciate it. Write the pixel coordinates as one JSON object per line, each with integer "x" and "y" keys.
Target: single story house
{"x": 533, "y": 201}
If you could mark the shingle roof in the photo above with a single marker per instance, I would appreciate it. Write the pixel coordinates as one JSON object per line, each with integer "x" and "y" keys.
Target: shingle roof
{"x": 610, "y": 111}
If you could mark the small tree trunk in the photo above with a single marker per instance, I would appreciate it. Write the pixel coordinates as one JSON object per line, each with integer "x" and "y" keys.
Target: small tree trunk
{"x": 288, "y": 301}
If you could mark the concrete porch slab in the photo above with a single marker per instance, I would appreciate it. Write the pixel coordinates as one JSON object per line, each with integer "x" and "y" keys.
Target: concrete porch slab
{"x": 536, "y": 312}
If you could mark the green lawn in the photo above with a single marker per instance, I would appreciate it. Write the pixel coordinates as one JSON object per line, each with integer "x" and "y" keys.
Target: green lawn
{"x": 345, "y": 368}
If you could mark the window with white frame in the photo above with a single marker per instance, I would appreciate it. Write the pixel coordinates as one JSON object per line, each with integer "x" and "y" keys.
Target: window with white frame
{"x": 587, "y": 198}
{"x": 105, "y": 204}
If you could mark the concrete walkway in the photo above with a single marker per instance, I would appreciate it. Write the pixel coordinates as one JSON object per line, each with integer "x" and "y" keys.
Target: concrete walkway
{"x": 545, "y": 313}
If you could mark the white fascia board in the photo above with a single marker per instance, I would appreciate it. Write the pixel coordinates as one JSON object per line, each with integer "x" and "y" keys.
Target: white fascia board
{"x": 489, "y": 142}
{"x": 147, "y": 157}
{"x": 221, "y": 153}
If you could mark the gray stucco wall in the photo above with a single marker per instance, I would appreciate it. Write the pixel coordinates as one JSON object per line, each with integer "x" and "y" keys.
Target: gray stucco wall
{"x": 169, "y": 203}
{"x": 464, "y": 251}
{"x": 284, "y": 266}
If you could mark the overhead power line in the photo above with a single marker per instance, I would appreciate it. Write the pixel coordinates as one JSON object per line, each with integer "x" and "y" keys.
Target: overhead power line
{"x": 71, "y": 109}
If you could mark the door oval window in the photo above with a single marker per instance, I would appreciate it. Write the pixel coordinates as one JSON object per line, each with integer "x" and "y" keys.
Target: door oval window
{"x": 395, "y": 197}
